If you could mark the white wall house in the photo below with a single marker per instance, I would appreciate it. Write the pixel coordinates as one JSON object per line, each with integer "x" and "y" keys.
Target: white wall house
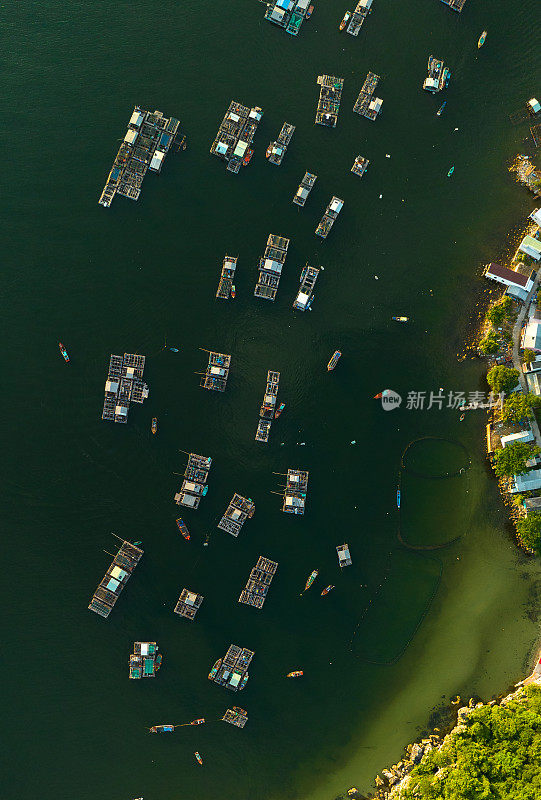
{"x": 526, "y": 482}
{"x": 531, "y": 246}
{"x": 509, "y": 277}
{"x": 536, "y": 216}
{"x": 513, "y": 438}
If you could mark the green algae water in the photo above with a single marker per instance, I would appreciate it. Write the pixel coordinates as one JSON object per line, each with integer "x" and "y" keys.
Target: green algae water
{"x": 404, "y": 629}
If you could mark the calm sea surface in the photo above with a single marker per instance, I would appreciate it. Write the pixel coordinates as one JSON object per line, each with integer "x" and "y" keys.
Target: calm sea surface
{"x": 404, "y": 629}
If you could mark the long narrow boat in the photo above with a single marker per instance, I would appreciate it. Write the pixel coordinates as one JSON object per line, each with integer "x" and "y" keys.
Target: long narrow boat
{"x": 398, "y": 498}
{"x": 198, "y": 757}
{"x": 334, "y": 360}
{"x": 197, "y": 721}
{"x": 439, "y": 112}
{"x": 311, "y": 578}
{"x": 214, "y": 670}
{"x": 183, "y": 529}
{"x": 154, "y": 426}
{"x": 400, "y": 319}
{"x": 482, "y": 40}
{"x": 310, "y": 11}
{"x": 296, "y": 674}
{"x": 233, "y": 291}
{"x": 450, "y": 171}
{"x": 162, "y": 729}
{"x": 64, "y": 352}
{"x": 279, "y": 410}
{"x": 327, "y": 589}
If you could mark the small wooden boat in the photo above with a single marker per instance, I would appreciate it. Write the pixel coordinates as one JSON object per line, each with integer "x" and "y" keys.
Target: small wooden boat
{"x": 345, "y": 20}
{"x": 64, "y": 352}
{"x": 247, "y": 158}
{"x": 450, "y": 172}
{"x": 296, "y": 674}
{"x": 154, "y": 426}
{"x": 482, "y": 40}
{"x": 309, "y": 12}
{"x": 327, "y": 589}
{"x": 183, "y": 529}
{"x": 162, "y": 729}
{"x": 243, "y": 682}
{"x": 158, "y": 662}
{"x": 398, "y": 498}
{"x": 334, "y": 360}
{"x": 400, "y": 319}
{"x": 311, "y": 578}
{"x": 174, "y": 349}
{"x": 233, "y": 291}
{"x": 197, "y": 721}
{"x": 214, "y": 670}
{"x": 439, "y": 112}
{"x": 279, "y": 410}
{"x": 198, "y": 757}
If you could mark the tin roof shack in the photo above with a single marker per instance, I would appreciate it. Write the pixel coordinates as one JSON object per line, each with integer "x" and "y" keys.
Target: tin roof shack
{"x": 531, "y": 337}
{"x": 534, "y": 107}
{"x": 532, "y": 504}
{"x": 143, "y": 660}
{"x": 236, "y": 716}
{"x": 194, "y": 484}
{"x": 344, "y": 557}
{"x": 270, "y": 267}
{"x": 235, "y": 134}
{"x": 295, "y": 491}
{"x": 124, "y": 385}
{"x": 238, "y": 511}
{"x": 115, "y": 579}
{"x": 329, "y": 100}
{"x": 217, "y": 373}
{"x": 305, "y": 187}
{"x": 233, "y": 671}
{"x": 255, "y": 592}
{"x": 188, "y": 604}
{"x": 362, "y": 10}
{"x": 536, "y": 216}
{"x": 532, "y": 373}
{"x": 527, "y": 482}
{"x": 287, "y": 14}
{"x": 438, "y": 75}
{"x": 531, "y": 246}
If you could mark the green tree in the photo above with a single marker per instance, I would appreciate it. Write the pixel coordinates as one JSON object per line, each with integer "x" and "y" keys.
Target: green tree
{"x": 511, "y": 460}
{"x": 529, "y": 530}
{"x": 519, "y": 406}
{"x": 502, "y": 379}
{"x": 528, "y": 356}
{"x": 490, "y": 344}
{"x": 500, "y": 311}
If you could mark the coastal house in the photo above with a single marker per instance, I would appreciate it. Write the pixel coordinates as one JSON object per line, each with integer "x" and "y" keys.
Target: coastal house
{"x": 536, "y": 216}
{"x": 531, "y": 335}
{"x": 517, "y": 284}
{"x": 534, "y": 107}
{"x": 521, "y": 436}
{"x": 531, "y": 246}
{"x": 532, "y": 504}
{"x": 532, "y": 373}
{"x": 527, "y": 482}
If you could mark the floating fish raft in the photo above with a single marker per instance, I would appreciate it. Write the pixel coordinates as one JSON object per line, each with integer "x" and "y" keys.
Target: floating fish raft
{"x": 344, "y": 557}
{"x": 359, "y": 166}
{"x": 305, "y": 294}
{"x": 236, "y": 134}
{"x": 270, "y": 267}
{"x": 238, "y": 511}
{"x": 115, "y": 579}
{"x": 329, "y": 100}
{"x": 194, "y": 484}
{"x": 438, "y": 75}
{"x": 188, "y": 604}
{"x": 144, "y": 662}
{"x": 329, "y": 217}
{"x": 236, "y": 716}
{"x": 276, "y": 150}
{"x": 227, "y": 277}
{"x": 305, "y": 187}
{"x": 456, "y": 5}
{"x": 217, "y": 373}
{"x": 288, "y": 14}
{"x": 146, "y": 143}
{"x": 295, "y": 491}
{"x": 232, "y": 672}
{"x": 268, "y": 407}
{"x": 362, "y": 10}
{"x": 255, "y": 592}
{"x": 366, "y": 104}
{"x": 124, "y": 385}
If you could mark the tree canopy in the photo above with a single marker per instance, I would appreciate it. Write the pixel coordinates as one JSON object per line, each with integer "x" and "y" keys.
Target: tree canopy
{"x": 511, "y": 459}
{"x": 502, "y": 379}
{"x": 490, "y": 344}
{"x": 528, "y": 356}
{"x": 502, "y": 310}
{"x": 519, "y": 406}
{"x": 529, "y": 530}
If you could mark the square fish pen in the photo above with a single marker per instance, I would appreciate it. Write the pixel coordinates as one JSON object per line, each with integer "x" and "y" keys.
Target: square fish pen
{"x": 329, "y": 100}
{"x": 270, "y": 267}
{"x": 305, "y": 187}
{"x": 217, "y": 373}
{"x": 295, "y": 491}
{"x": 236, "y": 716}
{"x": 239, "y": 510}
{"x": 255, "y": 592}
{"x": 268, "y": 406}
{"x": 233, "y": 671}
{"x": 194, "y": 484}
{"x": 188, "y": 604}
{"x": 344, "y": 557}
{"x": 115, "y": 579}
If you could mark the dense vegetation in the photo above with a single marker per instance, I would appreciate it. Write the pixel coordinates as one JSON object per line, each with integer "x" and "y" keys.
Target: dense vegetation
{"x": 502, "y": 379}
{"x": 529, "y": 531}
{"x": 496, "y": 755}
{"x": 512, "y": 459}
{"x": 518, "y": 407}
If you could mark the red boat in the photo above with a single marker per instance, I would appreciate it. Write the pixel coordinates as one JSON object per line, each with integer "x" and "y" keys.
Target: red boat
{"x": 327, "y": 589}
{"x": 63, "y": 351}
{"x": 197, "y": 721}
{"x": 198, "y": 757}
{"x": 309, "y": 12}
{"x": 183, "y": 529}
{"x": 233, "y": 291}
{"x": 247, "y": 158}
{"x": 279, "y": 410}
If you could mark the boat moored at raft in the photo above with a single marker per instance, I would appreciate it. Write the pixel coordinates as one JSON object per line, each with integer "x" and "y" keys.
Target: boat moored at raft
{"x": 296, "y": 674}
{"x": 334, "y": 360}
{"x": 64, "y": 352}
{"x": 310, "y": 11}
{"x": 214, "y": 670}
{"x": 345, "y": 20}
{"x": 279, "y": 410}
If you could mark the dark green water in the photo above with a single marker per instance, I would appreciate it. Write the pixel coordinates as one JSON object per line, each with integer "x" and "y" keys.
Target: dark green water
{"x": 121, "y": 279}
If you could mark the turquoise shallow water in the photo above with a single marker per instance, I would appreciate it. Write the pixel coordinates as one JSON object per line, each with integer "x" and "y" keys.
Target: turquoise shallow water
{"x": 123, "y": 279}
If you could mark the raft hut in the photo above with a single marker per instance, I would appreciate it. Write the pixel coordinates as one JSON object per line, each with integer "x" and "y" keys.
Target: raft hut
{"x": 287, "y": 14}
{"x": 143, "y": 660}
{"x": 238, "y": 511}
{"x": 362, "y": 10}
{"x": 115, "y": 579}
{"x": 306, "y": 290}
{"x": 295, "y": 491}
{"x": 255, "y": 592}
{"x": 438, "y": 75}
{"x": 366, "y": 104}
{"x": 344, "y": 557}
{"x": 227, "y": 277}
{"x": 194, "y": 484}
{"x": 329, "y": 100}
{"x": 124, "y": 385}
{"x": 217, "y": 373}
{"x": 329, "y": 217}
{"x": 148, "y": 140}
{"x": 236, "y": 716}
{"x": 236, "y": 134}
{"x": 305, "y": 187}
{"x": 456, "y": 5}
{"x": 276, "y": 150}
{"x": 188, "y": 604}
{"x": 268, "y": 406}
{"x": 360, "y": 166}
{"x": 270, "y": 267}
{"x": 233, "y": 671}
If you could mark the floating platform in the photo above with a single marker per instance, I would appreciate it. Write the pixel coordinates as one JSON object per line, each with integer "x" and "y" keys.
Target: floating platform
{"x": 329, "y": 217}
{"x": 456, "y": 5}
{"x": 124, "y": 385}
{"x": 146, "y": 143}
{"x": 143, "y": 660}
{"x": 305, "y": 294}
{"x": 236, "y": 716}
{"x": 362, "y": 10}
{"x": 287, "y": 14}
{"x": 255, "y": 592}
{"x": 344, "y": 557}
{"x": 527, "y": 174}
{"x": 194, "y": 484}
{"x": 295, "y": 491}
{"x": 270, "y": 267}
{"x": 227, "y": 277}
{"x": 188, "y": 604}
{"x": 236, "y": 134}
{"x": 268, "y": 406}
{"x": 277, "y": 150}
{"x": 217, "y": 373}
{"x": 360, "y": 166}
{"x": 438, "y": 75}
{"x": 233, "y": 671}
{"x": 329, "y": 100}
{"x": 238, "y": 511}
{"x": 305, "y": 187}
{"x": 366, "y": 104}
{"x": 115, "y": 579}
